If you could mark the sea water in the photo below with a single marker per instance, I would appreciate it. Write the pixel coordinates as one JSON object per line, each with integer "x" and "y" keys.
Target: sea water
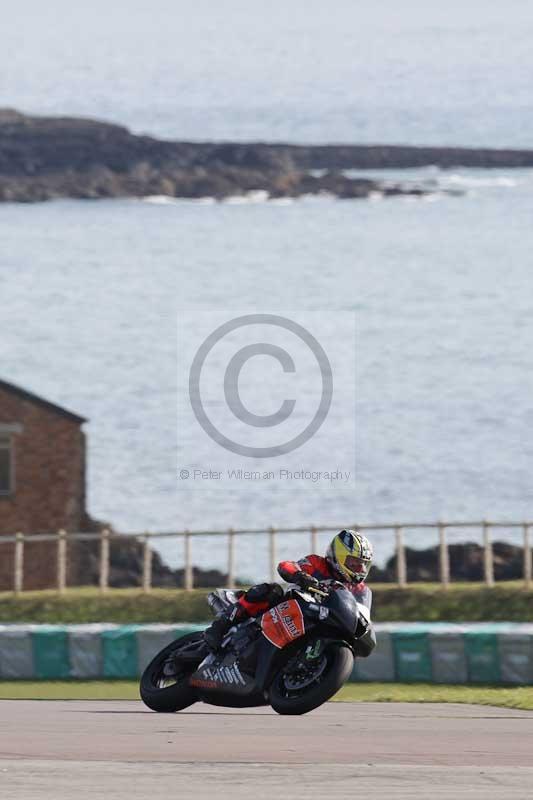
{"x": 440, "y": 288}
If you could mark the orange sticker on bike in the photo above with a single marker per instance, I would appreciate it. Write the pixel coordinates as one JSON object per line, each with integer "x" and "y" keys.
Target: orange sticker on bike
{"x": 283, "y": 623}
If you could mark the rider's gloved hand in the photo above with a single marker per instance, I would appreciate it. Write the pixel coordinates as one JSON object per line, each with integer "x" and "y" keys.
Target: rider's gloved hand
{"x": 305, "y": 581}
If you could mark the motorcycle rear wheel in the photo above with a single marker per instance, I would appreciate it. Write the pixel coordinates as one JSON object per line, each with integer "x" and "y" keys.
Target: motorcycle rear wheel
{"x": 177, "y": 694}
{"x": 288, "y": 697}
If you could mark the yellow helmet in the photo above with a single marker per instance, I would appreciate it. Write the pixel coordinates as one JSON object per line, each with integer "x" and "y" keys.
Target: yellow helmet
{"x": 350, "y": 554}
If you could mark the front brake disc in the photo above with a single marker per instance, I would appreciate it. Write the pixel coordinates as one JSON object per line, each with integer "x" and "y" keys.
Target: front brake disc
{"x": 305, "y": 675}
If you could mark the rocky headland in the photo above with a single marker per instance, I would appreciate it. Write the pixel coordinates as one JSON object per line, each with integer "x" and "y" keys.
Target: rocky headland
{"x": 466, "y": 563}
{"x": 43, "y": 158}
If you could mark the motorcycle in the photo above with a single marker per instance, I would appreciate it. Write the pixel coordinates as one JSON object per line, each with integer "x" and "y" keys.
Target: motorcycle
{"x": 294, "y": 657}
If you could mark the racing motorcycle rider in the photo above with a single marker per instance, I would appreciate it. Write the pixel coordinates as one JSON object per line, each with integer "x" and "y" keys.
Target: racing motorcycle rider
{"x": 348, "y": 560}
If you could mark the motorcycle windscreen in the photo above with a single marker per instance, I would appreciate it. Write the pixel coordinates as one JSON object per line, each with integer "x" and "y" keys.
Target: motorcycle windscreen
{"x": 283, "y": 623}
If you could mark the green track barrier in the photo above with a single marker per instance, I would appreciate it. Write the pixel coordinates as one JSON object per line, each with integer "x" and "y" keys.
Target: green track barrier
{"x": 51, "y": 653}
{"x": 416, "y": 652}
{"x": 412, "y": 656}
{"x": 120, "y": 652}
{"x": 482, "y": 656}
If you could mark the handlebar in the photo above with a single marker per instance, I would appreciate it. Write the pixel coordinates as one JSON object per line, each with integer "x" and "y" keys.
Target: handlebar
{"x": 317, "y": 590}
{"x": 324, "y": 588}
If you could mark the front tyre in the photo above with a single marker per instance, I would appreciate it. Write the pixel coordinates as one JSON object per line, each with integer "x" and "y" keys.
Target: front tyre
{"x": 300, "y": 686}
{"x": 165, "y": 681}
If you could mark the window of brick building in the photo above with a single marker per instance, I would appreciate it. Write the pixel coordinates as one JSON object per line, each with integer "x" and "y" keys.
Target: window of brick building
{"x": 6, "y": 465}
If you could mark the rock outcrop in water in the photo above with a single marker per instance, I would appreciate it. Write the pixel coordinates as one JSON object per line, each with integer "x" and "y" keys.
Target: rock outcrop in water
{"x": 43, "y": 158}
{"x": 466, "y": 563}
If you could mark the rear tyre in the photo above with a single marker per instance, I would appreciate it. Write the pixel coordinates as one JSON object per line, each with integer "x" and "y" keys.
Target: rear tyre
{"x": 164, "y": 684}
{"x": 300, "y": 687}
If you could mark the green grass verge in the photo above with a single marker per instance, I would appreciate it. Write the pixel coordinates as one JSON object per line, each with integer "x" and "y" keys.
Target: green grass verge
{"x": 508, "y": 697}
{"x": 507, "y": 601}
{"x": 69, "y": 690}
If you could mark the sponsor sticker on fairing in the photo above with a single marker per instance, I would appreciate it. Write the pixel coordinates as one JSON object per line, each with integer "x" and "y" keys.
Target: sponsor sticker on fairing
{"x": 283, "y": 623}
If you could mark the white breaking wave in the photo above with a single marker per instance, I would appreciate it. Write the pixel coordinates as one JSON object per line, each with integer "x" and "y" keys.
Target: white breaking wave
{"x": 436, "y": 179}
{"x": 315, "y": 198}
{"x": 160, "y": 200}
{"x": 167, "y": 200}
{"x": 254, "y": 196}
{"x": 474, "y": 182}
{"x": 236, "y": 200}
{"x": 282, "y": 201}
{"x": 257, "y": 196}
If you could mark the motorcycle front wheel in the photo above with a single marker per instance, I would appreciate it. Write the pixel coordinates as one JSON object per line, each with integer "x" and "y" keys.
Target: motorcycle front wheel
{"x": 165, "y": 681}
{"x": 302, "y": 684}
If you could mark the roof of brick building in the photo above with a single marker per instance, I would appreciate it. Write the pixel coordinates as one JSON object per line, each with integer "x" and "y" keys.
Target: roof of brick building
{"x": 40, "y": 401}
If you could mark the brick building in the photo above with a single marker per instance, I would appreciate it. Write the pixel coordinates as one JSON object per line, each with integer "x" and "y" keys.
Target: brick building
{"x": 42, "y": 479}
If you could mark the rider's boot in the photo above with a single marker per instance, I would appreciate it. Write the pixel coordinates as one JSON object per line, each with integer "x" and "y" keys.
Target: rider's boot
{"x": 214, "y": 635}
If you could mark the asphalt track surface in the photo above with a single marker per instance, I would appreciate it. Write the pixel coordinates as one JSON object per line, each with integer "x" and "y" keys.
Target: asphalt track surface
{"x": 73, "y": 750}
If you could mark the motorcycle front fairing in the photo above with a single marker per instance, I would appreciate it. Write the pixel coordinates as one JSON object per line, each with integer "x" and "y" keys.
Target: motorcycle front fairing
{"x": 343, "y": 611}
{"x": 335, "y": 619}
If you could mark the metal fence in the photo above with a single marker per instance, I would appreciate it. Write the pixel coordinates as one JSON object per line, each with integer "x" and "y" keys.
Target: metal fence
{"x": 60, "y": 541}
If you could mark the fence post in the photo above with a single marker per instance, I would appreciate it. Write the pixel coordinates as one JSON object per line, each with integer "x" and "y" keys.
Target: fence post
{"x": 147, "y": 564}
{"x": 401, "y": 566}
{"x": 189, "y": 581}
{"x": 273, "y": 554}
{"x": 18, "y": 572}
{"x": 231, "y": 559}
{"x": 527, "y": 556}
{"x": 488, "y": 563}
{"x": 444, "y": 557}
{"x": 104, "y": 560}
{"x": 61, "y": 561}
{"x": 314, "y": 540}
